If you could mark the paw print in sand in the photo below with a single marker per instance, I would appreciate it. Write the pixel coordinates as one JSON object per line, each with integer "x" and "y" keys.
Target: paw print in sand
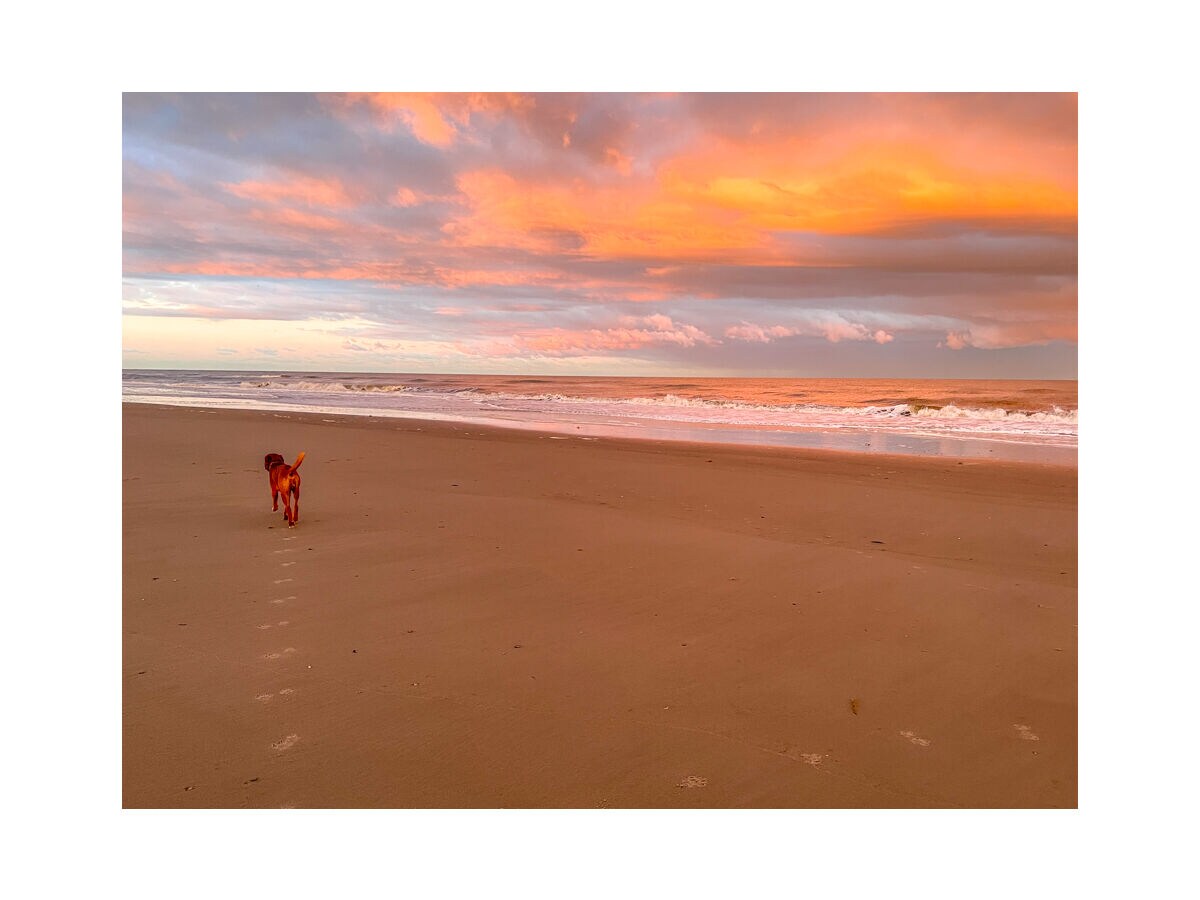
{"x": 693, "y": 781}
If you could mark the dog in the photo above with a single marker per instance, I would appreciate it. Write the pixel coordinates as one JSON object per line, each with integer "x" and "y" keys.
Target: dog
{"x": 284, "y": 480}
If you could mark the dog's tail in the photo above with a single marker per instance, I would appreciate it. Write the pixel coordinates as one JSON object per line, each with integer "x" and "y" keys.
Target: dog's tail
{"x": 299, "y": 459}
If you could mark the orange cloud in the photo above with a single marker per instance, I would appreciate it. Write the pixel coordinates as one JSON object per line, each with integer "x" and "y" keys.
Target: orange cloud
{"x": 722, "y": 204}
{"x": 960, "y": 209}
{"x": 618, "y": 160}
{"x": 872, "y": 187}
{"x": 606, "y": 222}
{"x": 418, "y": 112}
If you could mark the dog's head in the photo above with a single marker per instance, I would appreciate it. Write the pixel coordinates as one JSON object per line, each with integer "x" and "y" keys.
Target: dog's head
{"x": 272, "y": 459}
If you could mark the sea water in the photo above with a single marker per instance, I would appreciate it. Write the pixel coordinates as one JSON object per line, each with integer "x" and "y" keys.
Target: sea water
{"x": 1013, "y": 420}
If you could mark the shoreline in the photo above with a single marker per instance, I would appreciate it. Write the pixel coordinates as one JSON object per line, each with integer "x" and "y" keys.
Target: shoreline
{"x": 469, "y": 616}
{"x": 855, "y": 442}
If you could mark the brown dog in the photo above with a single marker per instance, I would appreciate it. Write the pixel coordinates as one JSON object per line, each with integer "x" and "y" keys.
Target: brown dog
{"x": 284, "y": 480}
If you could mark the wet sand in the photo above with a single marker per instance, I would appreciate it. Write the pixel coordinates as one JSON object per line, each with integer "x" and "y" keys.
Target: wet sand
{"x": 467, "y": 617}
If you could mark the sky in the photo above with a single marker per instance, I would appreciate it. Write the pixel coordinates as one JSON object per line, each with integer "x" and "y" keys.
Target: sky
{"x": 804, "y": 235}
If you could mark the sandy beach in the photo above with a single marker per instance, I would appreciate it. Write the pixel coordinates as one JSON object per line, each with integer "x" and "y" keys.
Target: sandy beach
{"x": 470, "y": 617}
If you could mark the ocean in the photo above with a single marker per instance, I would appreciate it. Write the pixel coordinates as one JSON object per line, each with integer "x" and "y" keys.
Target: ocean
{"x": 1035, "y": 421}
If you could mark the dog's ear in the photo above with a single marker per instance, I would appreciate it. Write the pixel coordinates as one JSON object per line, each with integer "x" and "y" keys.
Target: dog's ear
{"x": 271, "y": 458}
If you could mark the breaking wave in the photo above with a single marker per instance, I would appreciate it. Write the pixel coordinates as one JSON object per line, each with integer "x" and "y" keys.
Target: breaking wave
{"x": 1030, "y": 413}
{"x": 327, "y": 387}
{"x": 1056, "y": 415}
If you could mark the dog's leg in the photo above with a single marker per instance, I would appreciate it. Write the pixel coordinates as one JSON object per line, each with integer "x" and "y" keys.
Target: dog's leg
{"x": 274, "y": 498}
{"x": 287, "y": 509}
{"x": 296, "y": 506}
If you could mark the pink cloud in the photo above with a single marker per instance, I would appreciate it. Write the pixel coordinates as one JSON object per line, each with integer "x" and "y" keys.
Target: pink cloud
{"x": 757, "y": 333}
{"x": 946, "y": 218}
{"x": 406, "y": 197}
{"x": 635, "y": 332}
{"x": 833, "y": 328}
{"x": 300, "y": 190}
{"x": 439, "y": 120}
{"x": 295, "y": 218}
{"x": 1010, "y": 334}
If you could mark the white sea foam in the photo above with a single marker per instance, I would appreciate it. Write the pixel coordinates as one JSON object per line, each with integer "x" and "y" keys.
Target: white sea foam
{"x": 674, "y": 408}
{"x": 325, "y": 387}
{"x": 770, "y": 412}
{"x": 632, "y": 404}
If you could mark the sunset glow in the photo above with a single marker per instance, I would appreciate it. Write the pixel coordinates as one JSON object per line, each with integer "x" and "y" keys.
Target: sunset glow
{"x": 790, "y": 234}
